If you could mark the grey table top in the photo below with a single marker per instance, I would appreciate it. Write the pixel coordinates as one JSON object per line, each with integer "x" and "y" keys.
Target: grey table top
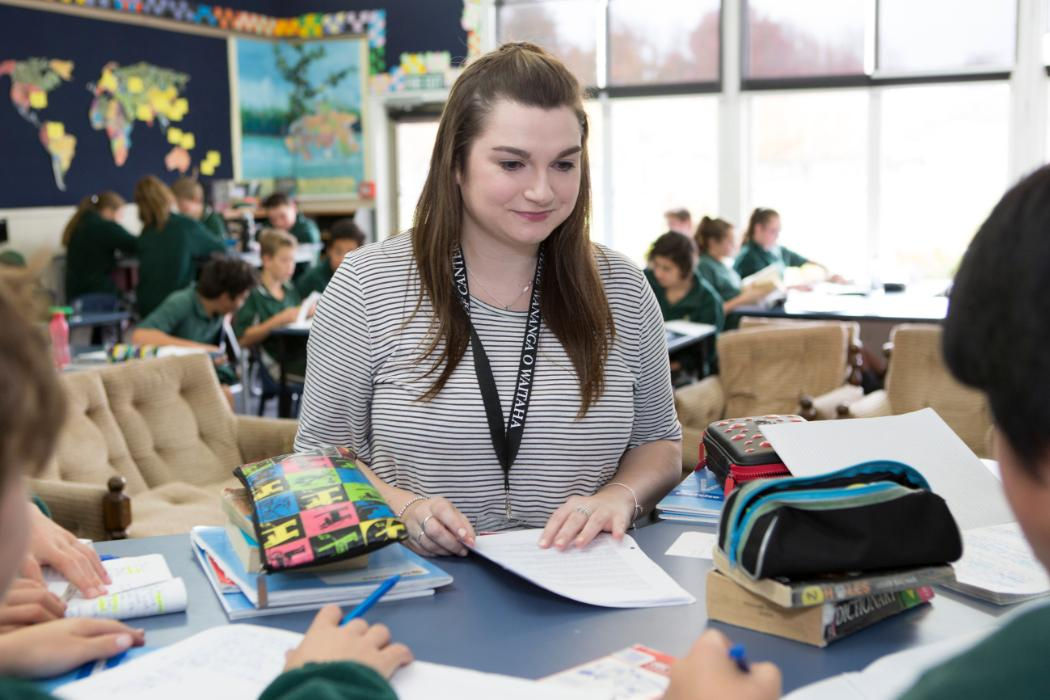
{"x": 491, "y": 620}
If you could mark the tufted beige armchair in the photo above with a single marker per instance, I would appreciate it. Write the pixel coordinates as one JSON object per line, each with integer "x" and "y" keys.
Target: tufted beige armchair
{"x": 918, "y": 378}
{"x": 765, "y": 369}
{"x": 165, "y": 428}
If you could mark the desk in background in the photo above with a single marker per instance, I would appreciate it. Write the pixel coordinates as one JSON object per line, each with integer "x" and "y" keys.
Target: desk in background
{"x": 304, "y": 253}
{"x": 494, "y": 621}
{"x": 101, "y": 319}
{"x": 284, "y": 336}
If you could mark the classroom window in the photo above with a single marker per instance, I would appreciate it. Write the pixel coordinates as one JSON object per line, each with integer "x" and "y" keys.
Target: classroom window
{"x": 665, "y": 153}
{"x": 970, "y": 35}
{"x": 566, "y": 28}
{"x": 805, "y": 38}
{"x": 414, "y": 144}
{"x": 663, "y": 41}
{"x": 943, "y": 166}
{"x": 809, "y": 162}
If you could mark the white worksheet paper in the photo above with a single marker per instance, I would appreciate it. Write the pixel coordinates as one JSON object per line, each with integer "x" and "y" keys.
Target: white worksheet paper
{"x": 237, "y": 662}
{"x": 156, "y": 599}
{"x": 605, "y": 572}
{"x": 920, "y": 439}
{"x": 126, "y": 573}
{"x": 696, "y": 545}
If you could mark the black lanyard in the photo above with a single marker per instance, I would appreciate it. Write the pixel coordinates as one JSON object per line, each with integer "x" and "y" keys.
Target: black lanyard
{"x": 506, "y": 437}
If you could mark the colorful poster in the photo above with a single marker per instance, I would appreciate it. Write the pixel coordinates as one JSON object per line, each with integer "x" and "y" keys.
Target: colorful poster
{"x": 301, "y": 113}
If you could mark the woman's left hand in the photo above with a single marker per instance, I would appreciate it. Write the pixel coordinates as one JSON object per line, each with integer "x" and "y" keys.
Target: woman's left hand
{"x": 581, "y": 518}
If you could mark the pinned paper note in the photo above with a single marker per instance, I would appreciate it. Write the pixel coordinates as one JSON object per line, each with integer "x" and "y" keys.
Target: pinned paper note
{"x": 189, "y": 141}
{"x": 38, "y": 99}
{"x": 207, "y": 168}
{"x": 213, "y": 157}
{"x": 135, "y": 84}
{"x": 175, "y": 136}
{"x": 696, "y": 545}
{"x": 55, "y": 130}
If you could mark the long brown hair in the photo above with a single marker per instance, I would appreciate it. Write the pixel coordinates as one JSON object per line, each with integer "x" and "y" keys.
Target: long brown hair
{"x": 154, "y": 200}
{"x": 759, "y": 217}
{"x": 573, "y": 301}
{"x": 96, "y": 203}
{"x": 711, "y": 231}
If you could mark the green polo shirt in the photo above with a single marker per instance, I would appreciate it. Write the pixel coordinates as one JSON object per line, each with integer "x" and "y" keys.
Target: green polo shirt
{"x": 305, "y": 230}
{"x": 754, "y": 257}
{"x": 315, "y": 279}
{"x": 1009, "y": 664}
{"x": 700, "y": 305}
{"x": 166, "y": 259}
{"x": 90, "y": 256}
{"x": 182, "y": 315}
{"x": 215, "y": 224}
{"x": 720, "y": 276}
{"x": 260, "y": 306}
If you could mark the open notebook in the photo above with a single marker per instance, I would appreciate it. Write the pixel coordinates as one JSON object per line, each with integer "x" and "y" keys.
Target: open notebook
{"x": 142, "y": 586}
{"x": 213, "y": 664}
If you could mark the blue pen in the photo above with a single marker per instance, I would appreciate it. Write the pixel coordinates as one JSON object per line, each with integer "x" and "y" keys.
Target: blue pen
{"x": 107, "y": 557}
{"x": 371, "y": 600}
{"x": 738, "y": 655}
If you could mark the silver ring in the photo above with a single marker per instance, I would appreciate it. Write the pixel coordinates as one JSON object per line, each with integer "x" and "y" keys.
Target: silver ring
{"x": 583, "y": 509}
{"x": 423, "y": 525}
{"x": 420, "y": 536}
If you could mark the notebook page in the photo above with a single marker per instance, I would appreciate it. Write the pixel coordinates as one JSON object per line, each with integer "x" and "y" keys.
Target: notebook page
{"x": 304, "y": 308}
{"x": 920, "y": 439}
{"x": 126, "y": 573}
{"x": 999, "y": 560}
{"x": 605, "y": 572}
{"x": 159, "y": 599}
{"x": 425, "y": 681}
{"x": 230, "y": 662}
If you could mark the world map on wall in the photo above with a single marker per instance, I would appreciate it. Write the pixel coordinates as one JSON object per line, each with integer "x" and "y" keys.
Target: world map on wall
{"x": 123, "y": 96}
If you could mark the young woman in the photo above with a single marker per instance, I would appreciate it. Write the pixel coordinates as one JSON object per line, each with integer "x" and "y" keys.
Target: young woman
{"x": 717, "y": 245}
{"x": 168, "y": 245}
{"x": 760, "y": 249}
{"x": 680, "y": 290}
{"x": 493, "y": 366}
{"x": 92, "y": 237}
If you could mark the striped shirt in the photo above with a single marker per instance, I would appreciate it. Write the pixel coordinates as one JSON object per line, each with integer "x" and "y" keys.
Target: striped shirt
{"x": 366, "y": 372}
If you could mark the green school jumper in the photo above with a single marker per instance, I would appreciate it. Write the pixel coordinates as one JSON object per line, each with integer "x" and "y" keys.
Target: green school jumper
{"x": 89, "y": 258}
{"x": 182, "y": 315}
{"x": 1012, "y": 663}
{"x": 700, "y": 305}
{"x": 215, "y": 224}
{"x": 342, "y": 680}
{"x": 260, "y": 306}
{"x": 754, "y": 257}
{"x": 166, "y": 259}
{"x": 720, "y": 276}
{"x": 305, "y": 230}
{"x": 315, "y": 279}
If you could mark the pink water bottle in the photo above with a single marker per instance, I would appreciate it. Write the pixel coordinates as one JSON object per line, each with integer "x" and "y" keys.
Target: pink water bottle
{"x": 59, "y": 338}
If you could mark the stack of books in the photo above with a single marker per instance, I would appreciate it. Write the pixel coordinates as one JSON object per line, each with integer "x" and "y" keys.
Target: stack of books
{"x": 817, "y": 611}
{"x": 230, "y": 558}
{"x": 698, "y": 499}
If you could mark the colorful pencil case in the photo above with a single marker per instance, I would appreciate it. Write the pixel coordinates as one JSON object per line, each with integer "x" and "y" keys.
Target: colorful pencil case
{"x": 869, "y": 517}
{"x": 316, "y": 507}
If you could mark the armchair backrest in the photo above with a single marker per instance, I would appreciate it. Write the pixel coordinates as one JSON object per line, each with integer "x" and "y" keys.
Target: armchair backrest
{"x": 767, "y": 369}
{"x": 175, "y": 419}
{"x": 918, "y": 378}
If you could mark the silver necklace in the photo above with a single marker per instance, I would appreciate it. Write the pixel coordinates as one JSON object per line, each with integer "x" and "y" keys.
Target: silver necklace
{"x": 506, "y": 307}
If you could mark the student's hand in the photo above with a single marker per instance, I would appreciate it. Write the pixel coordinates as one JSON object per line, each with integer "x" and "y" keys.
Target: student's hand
{"x": 51, "y": 545}
{"x": 28, "y": 602}
{"x": 838, "y": 279}
{"x": 707, "y": 673}
{"x": 51, "y": 648}
{"x": 356, "y": 641}
{"x": 753, "y": 295}
{"x": 283, "y": 318}
{"x": 581, "y": 518}
{"x": 436, "y": 528}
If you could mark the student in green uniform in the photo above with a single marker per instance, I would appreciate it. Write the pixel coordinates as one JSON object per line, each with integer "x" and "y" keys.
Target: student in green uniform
{"x": 273, "y": 303}
{"x": 995, "y": 340}
{"x": 168, "y": 245}
{"x": 284, "y": 215}
{"x": 91, "y": 238}
{"x": 189, "y": 200}
{"x": 717, "y": 244}
{"x": 345, "y": 237}
{"x": 679, "y": 288}
{"x": 351, "y": 662}
{"x": 760, "y": 249}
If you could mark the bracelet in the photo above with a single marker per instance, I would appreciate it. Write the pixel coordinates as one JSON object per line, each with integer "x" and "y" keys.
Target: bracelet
{"x": 637, "y": 508}
{"x": 408, "y": 505}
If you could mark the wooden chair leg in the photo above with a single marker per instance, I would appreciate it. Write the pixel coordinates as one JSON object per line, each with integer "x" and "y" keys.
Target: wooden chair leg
{"x": 116, "y": 509}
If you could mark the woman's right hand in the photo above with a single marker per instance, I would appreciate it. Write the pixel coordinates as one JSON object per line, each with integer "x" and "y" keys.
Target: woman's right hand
{"x": 356, "y": 641}
{"x": 436, "y": 528}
